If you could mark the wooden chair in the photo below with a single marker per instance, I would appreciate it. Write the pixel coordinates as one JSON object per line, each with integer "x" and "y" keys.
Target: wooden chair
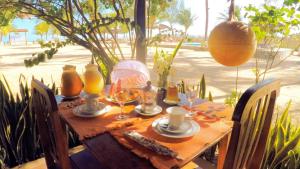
{"x": 52, "y": 132}
{"x": 252, "y": 119}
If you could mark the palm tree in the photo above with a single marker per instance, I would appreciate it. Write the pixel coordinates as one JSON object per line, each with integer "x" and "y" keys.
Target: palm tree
{"x": 171, "y": 12}
{"x": 206, "y": 19}
{"x": 186, "y": 19}
{"x": 5, "y": 30}
{"x": 237, "y": 14}
{"x": 42, "y": 28}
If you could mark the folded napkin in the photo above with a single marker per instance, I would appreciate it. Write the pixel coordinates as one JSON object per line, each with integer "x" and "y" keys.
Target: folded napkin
{"x": 151, "y": 144}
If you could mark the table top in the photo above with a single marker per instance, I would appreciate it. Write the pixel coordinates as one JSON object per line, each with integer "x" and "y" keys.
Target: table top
{"x": 102, "y": 137}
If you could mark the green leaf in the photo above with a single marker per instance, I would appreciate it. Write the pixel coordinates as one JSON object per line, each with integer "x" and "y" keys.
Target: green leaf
{"x": 202, "y": 87}
{"x": 285, "y": 150}
{"x": 210, "y": 97}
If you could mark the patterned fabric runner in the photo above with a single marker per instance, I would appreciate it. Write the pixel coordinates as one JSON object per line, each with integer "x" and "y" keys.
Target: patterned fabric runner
{"x": 210, "y": 117}
{"x": 212, "y": 129}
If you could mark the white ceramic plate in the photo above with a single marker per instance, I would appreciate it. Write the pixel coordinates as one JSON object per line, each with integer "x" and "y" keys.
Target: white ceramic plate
{"x": 171, "y": 102}
{"x": 163, "y": 125}
{"x": 189, "y": 133}
{"x": 81, "y": 110}
{"x": 156, "y": 110}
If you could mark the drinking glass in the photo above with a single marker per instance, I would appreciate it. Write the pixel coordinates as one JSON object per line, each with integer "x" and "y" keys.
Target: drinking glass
{"x": 172, "y": 92}
{"x": 122, "y": 96}
{"x": 192, "y": 89}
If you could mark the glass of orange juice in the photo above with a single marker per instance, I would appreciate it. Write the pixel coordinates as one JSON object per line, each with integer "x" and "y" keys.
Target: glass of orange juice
{"x": 93, "y": 79}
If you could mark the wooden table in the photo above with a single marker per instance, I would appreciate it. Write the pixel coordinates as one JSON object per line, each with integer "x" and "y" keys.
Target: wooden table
{"x": 114, "y": 155}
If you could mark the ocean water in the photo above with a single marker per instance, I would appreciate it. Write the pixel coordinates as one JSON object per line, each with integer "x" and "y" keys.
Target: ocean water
{"x": 28, "y": 24}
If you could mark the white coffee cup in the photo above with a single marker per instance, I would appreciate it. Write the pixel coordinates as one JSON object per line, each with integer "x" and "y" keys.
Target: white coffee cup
{"x": 177, "y": 115}
{"x": 91, "y": 103}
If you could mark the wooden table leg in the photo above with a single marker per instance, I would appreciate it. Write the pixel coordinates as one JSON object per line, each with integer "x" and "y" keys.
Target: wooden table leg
{"x": 223, "y": 144}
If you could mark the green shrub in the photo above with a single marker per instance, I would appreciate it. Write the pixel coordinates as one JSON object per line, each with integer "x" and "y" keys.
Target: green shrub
{"x": 2, "y": 158}
{"x": 18, "y": 128}
{"x": 283, "y": 148}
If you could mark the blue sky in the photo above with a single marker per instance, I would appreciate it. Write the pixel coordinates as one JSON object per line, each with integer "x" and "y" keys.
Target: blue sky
{"x": 196, "y": 6}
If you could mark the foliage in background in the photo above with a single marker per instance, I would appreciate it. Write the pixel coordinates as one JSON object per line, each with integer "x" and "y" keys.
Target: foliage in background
{"x": 6, "y": 16}
{"x": 163, "y": 63}
{"x": 283, "y": 144}
{"x": 155, "y": 11}
{"x": 237, "y": 14}
{"x": 272, "y": 24}
{"x": 202, "y": 92}
{"x": 42, "y": 29}
{"x": 170, "y": 14}
{"x": 18, "y": 131}
{"x": 233, "y": 98}
{"x": 47, "y": 54}
{"x": 186, "y": 19}
{"x": 81, "y": 23}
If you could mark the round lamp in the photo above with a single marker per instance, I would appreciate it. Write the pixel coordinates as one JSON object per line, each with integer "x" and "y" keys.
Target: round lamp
{"x": 232, "y": 43}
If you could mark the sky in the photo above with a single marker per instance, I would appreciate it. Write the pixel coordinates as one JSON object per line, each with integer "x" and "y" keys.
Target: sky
{"x": 197, "y": 8}
{"x": 215, "y": 8}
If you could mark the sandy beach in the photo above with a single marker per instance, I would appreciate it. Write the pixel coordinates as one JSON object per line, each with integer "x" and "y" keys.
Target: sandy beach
{"x": 188, "y": 64}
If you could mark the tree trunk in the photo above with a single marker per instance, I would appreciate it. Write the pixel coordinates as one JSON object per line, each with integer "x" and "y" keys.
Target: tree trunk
{"x": 206, "y": 19}
{"x": 140, "y": 27}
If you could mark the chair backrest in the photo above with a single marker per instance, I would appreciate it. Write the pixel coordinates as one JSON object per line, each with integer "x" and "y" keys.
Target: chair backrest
{"x": 51, "y": 130}
{"x": 252, "y": 119}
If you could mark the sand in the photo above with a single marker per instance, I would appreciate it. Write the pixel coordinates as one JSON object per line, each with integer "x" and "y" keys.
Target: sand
{"x": 188, "y": 64}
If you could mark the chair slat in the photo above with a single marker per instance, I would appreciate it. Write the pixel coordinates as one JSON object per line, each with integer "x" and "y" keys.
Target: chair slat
{"x": 252, "y": 119}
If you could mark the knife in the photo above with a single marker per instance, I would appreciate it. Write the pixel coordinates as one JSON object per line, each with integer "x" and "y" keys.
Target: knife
{"x": 151, "y": 144}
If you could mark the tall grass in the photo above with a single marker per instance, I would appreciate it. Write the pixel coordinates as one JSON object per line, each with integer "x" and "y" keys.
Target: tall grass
{"x": 19, "y": 135}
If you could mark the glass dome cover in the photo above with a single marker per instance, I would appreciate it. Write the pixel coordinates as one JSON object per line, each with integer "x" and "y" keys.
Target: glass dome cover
{"x": 131, "y": 73}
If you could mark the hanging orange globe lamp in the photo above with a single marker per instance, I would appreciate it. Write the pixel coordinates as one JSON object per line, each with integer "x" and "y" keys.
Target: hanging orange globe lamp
{"x": 232, "y": 43}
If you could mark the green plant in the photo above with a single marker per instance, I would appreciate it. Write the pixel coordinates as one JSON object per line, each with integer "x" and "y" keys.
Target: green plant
{"x": 283, "y": 148}
{"x": 163, "y": 63}
{"x": 18, "y": 128}
{"x": 48, "y": 54}
{"x": 233, "y": 98}
{"x": 272, "y": 25}
{"x": 2, "y": 157}
{"x": 82, "y": 22}
{"x": 202, "y": 91}
{"x": 42, "y": 29}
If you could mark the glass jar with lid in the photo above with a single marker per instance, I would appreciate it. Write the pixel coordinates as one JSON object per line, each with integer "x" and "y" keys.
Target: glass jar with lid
{"x": 71, "y": 84}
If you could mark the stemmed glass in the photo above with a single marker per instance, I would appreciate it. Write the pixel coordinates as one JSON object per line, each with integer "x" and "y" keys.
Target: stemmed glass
{"x": 192, "y": 89}
{"x": 122, "y": 95}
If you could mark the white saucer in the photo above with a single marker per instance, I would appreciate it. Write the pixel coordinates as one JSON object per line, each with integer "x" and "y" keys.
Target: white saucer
{"x": 81, "y": 110}
{"x": 194, "y": 129}
{"x": 171, "y": 102}
{"x": 156, "y": 110}
{"x": 163, "y": 125}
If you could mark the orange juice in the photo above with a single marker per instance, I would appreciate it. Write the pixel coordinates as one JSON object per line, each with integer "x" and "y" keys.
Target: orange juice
{"x": 71, "y": 84}
{"x": 93, "y": 79}
{"x": 172, "y": 93}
